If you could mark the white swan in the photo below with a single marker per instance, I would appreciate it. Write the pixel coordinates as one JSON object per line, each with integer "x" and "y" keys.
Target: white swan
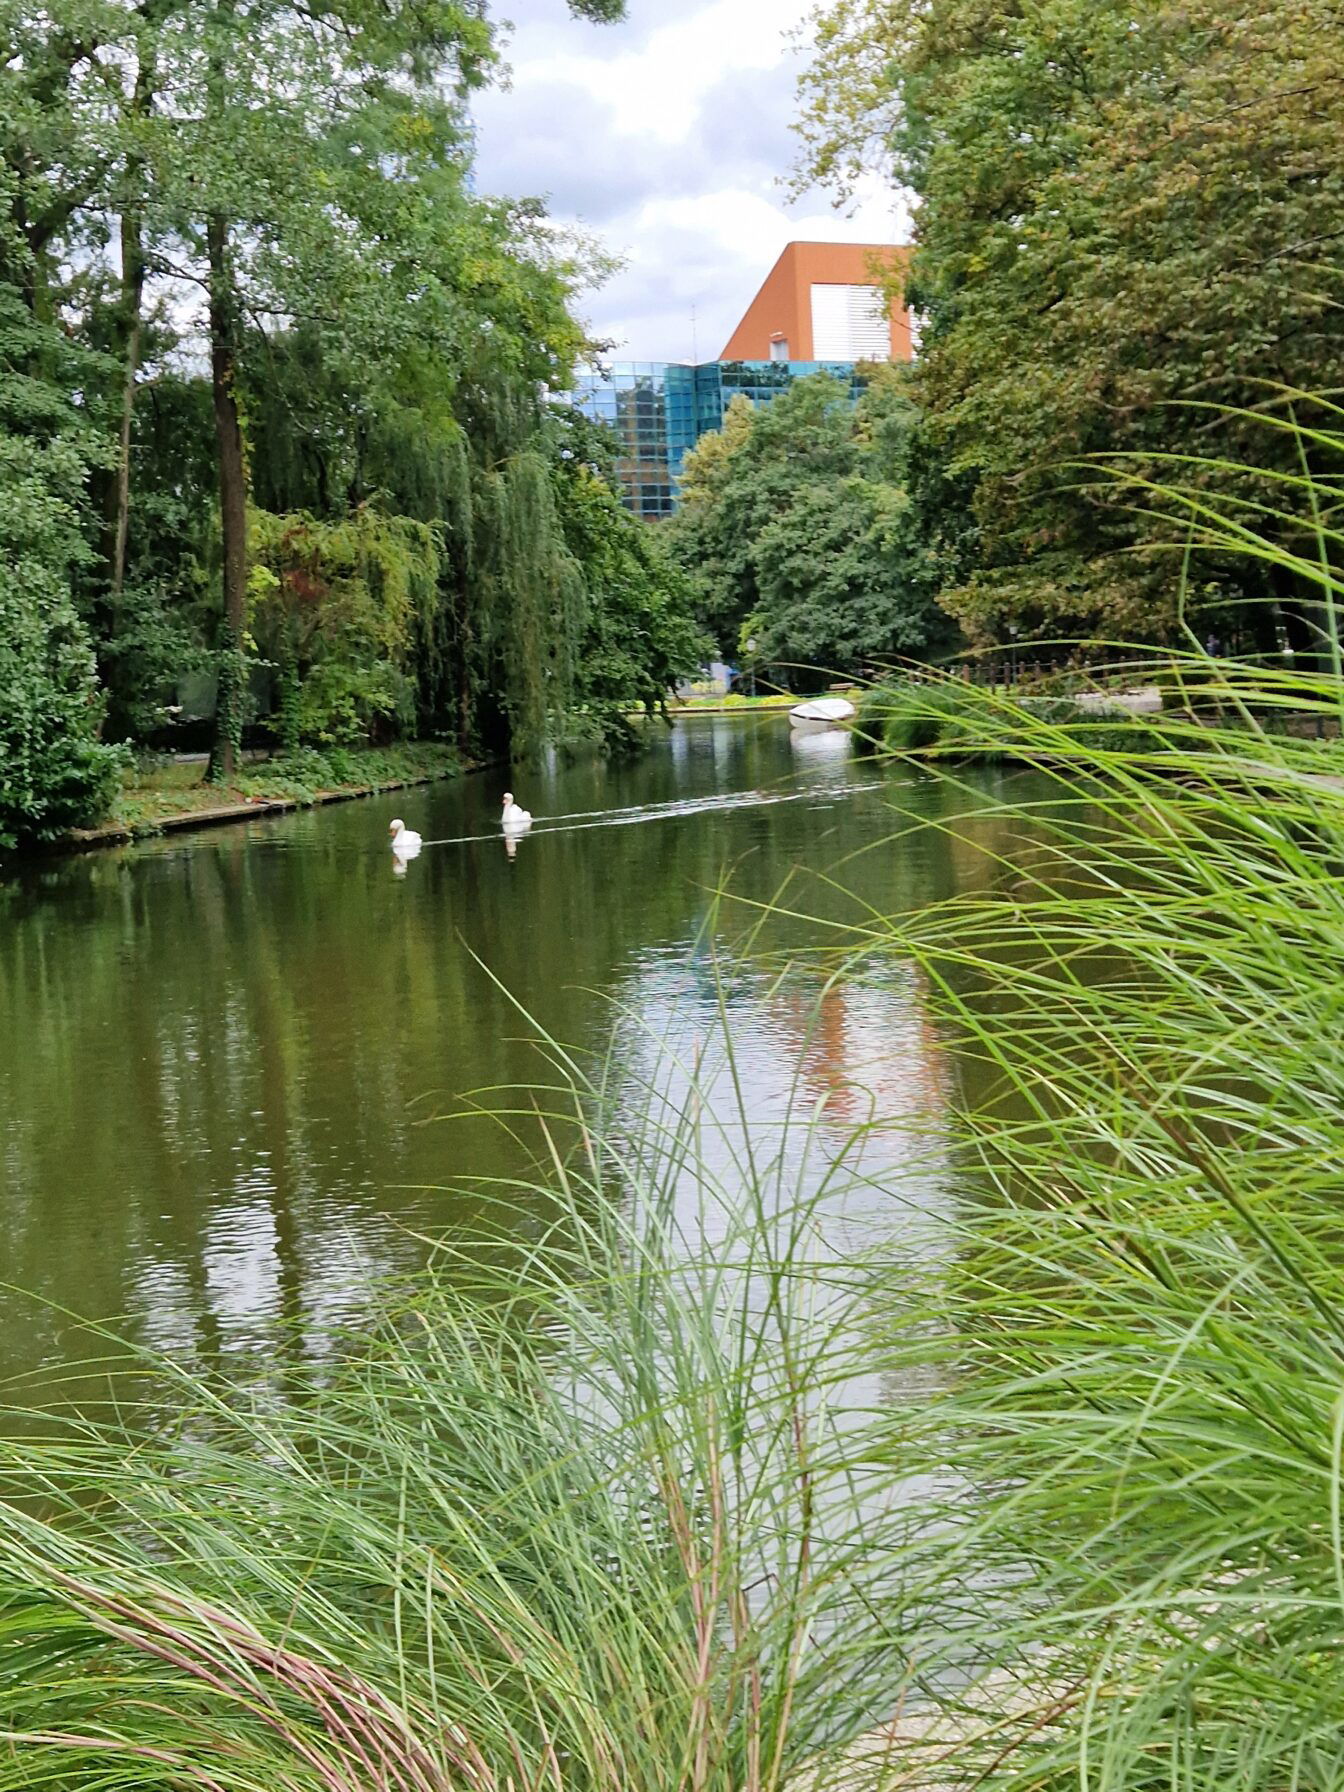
{"x": 515, "y": 819}
{"x": 405, "y": 841}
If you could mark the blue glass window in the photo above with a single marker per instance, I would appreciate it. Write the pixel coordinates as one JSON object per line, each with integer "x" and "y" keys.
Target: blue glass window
{"x": 660, "y": 409}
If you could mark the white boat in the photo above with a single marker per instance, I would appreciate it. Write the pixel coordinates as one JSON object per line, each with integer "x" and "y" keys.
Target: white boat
{"x": 821, "y": 712}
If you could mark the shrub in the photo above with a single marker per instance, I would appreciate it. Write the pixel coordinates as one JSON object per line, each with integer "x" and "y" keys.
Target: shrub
{"x": 950, "y": 719}
{"x": 54, "y": 772}
{"x": 905, "y": 718}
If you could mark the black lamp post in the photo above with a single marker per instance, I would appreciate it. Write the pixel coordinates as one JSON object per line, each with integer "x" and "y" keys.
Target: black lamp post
{"x": 1012, "y": 654}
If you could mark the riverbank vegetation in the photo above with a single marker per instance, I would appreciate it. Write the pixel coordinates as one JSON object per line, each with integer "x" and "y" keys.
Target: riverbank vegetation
{"x": 1188, "y": 701}
{"x": 155, "y": 791}
{"x": 275, "y": 443}
{"x": 796, "y": 527}
{"x": 938, "y": 717}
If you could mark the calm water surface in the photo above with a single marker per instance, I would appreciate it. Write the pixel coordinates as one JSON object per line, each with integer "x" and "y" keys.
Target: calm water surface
{"x": 230, "y": 1060}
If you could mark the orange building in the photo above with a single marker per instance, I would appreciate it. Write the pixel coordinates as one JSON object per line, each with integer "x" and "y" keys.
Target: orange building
{"x": 825, "y": 302}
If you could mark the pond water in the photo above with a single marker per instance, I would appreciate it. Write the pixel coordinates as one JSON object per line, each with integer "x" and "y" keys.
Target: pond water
{"x": 231, "y": 1060}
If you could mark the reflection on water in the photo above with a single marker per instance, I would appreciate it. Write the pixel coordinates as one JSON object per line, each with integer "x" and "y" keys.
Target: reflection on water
{"x": 228, "y": 1058}
{"x": 820, "y": 751}
{"x": 829, "y": 1098}
{"x": 827, "y": 1104}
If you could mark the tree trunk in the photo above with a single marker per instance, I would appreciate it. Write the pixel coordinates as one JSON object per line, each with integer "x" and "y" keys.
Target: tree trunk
{"x": 132, "y": 302}
{"x": 463, "y": 704}
{"x": 232, "y": 500}
{"x": 132, "y": 297}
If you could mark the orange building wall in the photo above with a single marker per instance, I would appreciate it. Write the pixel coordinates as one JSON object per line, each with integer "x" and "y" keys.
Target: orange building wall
{"x": 783, "y": 306}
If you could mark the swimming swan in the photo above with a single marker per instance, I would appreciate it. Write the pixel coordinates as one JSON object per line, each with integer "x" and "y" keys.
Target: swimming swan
{"x": 404, "y": 840}
{"x": 514, "y": 818}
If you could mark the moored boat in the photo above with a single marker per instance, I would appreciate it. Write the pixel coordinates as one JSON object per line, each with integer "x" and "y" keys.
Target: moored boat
{"x": 821, "y": 712}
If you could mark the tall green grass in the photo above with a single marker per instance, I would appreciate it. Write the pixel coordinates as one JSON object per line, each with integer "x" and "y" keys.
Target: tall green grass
{"x": 1138, "y": 1564}
{"x": 589, "y": 1519}
{"x": 1143, "y": 1334}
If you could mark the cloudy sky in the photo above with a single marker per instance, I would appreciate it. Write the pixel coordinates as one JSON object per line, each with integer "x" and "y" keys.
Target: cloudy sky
{"x": 665, "y": 137}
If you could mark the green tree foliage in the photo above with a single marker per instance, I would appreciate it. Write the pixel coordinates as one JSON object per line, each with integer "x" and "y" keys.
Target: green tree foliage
{"x": 638, "y": 636}
{"x": 333, "y": 607}
{"x": 309, "y": 363}
{"x": 708, "y": 535}
{"x": 158, "y": 627}
{"x": 486, "y": 578}
{"x": 827, "y": 567}
{"x": 457, "y": 451}
{"x": 798, "y": 530}
{"x": 1121, "y": 208}
{"x": 305, "y": 168}
{"x": 54, "y": 773}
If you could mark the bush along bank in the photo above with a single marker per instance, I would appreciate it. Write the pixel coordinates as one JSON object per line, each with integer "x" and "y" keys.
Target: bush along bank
{"x": 161, "y": 793}
{"x": 947, "y": 719}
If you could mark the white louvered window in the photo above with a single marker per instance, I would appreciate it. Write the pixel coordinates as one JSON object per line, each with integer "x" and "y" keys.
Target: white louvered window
{"x": 850, "y": 323}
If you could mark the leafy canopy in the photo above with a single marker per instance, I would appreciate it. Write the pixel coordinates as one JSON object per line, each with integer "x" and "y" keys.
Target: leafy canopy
{"x": 797, "y": 529}
{"x": 237, "y": 204}
{"x": 1120, "y": 208}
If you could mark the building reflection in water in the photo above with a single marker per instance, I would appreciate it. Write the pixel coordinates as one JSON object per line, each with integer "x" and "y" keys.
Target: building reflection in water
{"x": 831, "y": 1092}
{"x": 825, "y": 1109}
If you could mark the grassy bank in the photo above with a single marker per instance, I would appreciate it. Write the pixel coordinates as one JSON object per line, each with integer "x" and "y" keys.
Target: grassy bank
{"x": 164, "y": 792}
{"x": 1232, "y": 711}
{"x": 711, "y": 703}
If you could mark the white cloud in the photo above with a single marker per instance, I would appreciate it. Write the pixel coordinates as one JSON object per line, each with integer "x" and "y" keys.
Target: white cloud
{"x": 667, "y": 139}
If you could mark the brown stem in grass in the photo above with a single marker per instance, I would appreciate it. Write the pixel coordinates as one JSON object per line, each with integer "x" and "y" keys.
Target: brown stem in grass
{"x": 359, "y": 1720}
{"x": 683, "y": 1532}
{"x": 1052, "y": 1711}
{"x": 802, "y": 1575}
{"x": 111, "y": 1745}
{"x": 741, "y": 1629}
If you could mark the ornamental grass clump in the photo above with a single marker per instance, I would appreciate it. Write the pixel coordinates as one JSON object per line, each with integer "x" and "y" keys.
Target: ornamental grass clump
{"x": 584, "y": 1519}
{"x": 1131, "y": 1569}
{"x": 1141, "y": 1338}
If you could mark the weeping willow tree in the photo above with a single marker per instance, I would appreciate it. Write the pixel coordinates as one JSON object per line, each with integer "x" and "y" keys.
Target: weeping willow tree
{"x": 425, "y": 490}
{"x": 531, "y": 604}
{"x": 448, "y": 489}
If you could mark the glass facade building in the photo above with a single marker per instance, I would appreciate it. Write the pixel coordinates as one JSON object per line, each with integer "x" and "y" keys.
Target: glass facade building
{"x": 660, "y": 409}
